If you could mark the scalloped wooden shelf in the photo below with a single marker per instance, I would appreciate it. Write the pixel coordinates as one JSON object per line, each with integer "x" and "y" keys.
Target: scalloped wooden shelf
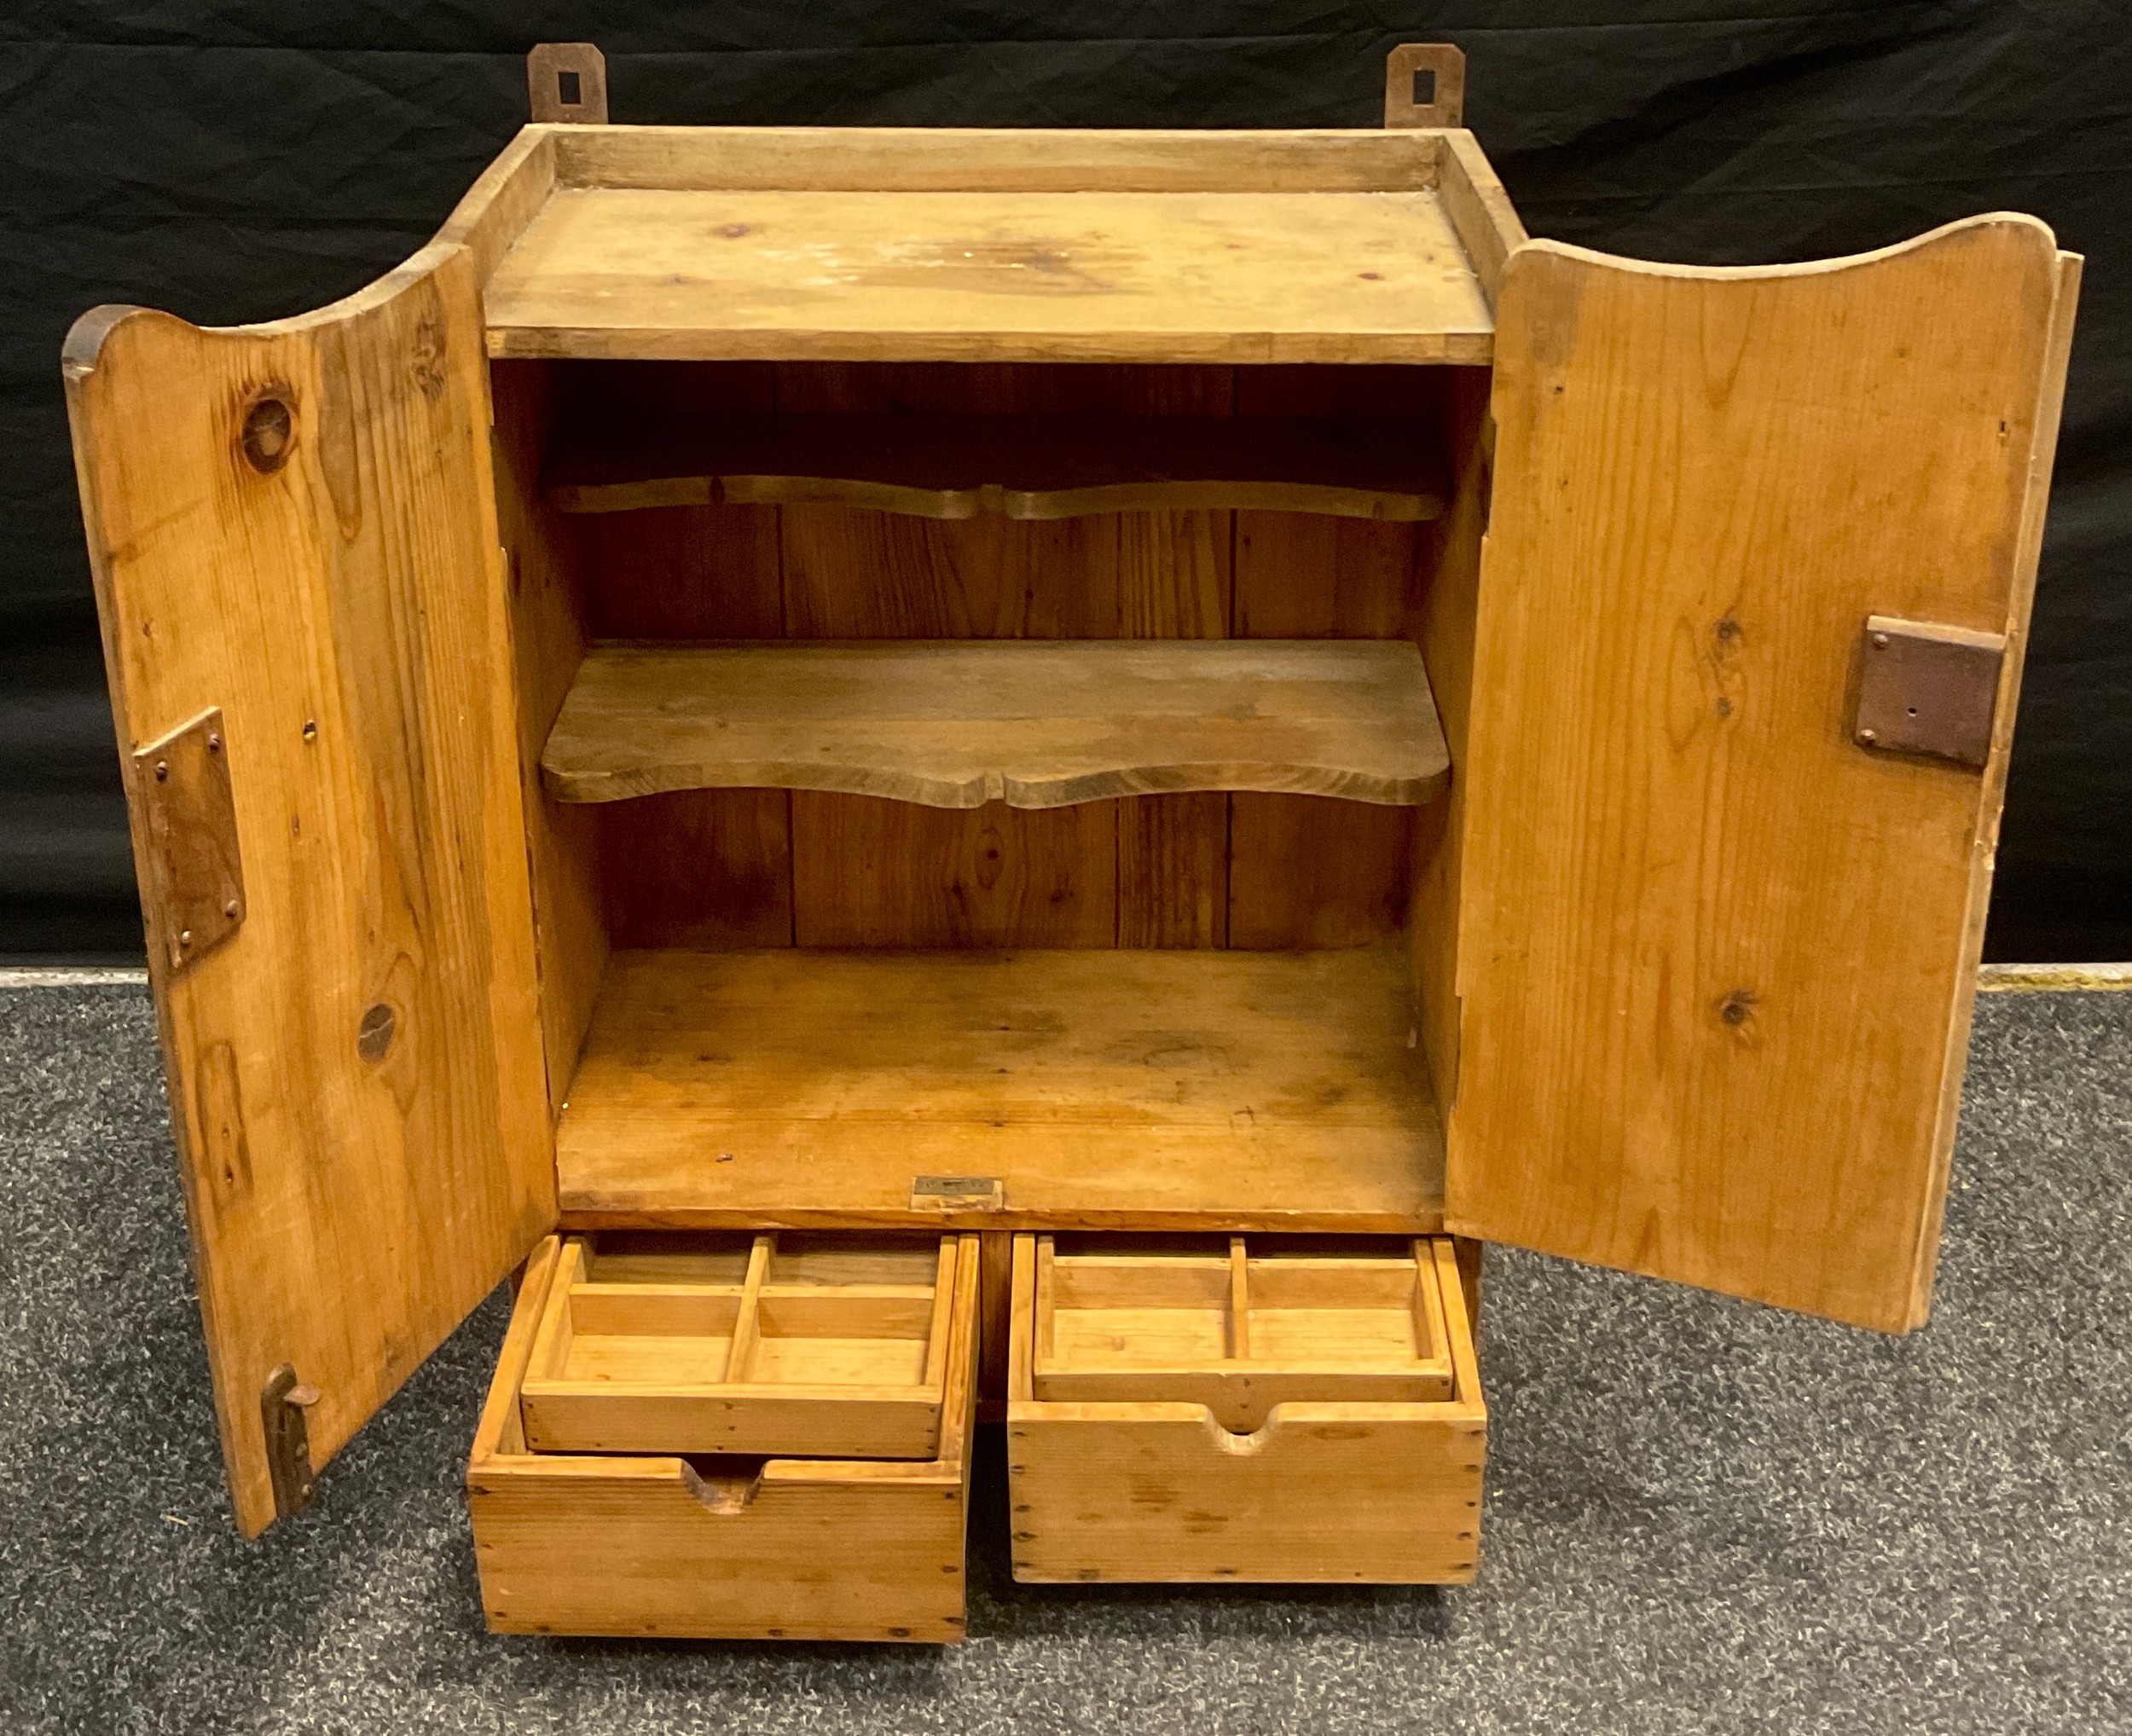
{"x": 935, "y": 467}
{"x": 1033, "y": 723}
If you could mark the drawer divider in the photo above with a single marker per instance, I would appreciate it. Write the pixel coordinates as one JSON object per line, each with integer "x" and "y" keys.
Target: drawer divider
{"x": 943, "y": 1313}
{"x": 747, "y": 1327}
{"x": 1429, "y": 1324}
{"x": 1239, "y": 1302}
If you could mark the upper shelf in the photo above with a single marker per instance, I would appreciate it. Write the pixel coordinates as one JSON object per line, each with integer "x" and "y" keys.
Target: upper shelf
{"x": 863, "y": 243}
{"x": 1035, "y": 723}
{"x": 1031, "y": 276}
{"x": 1022, "y": 467}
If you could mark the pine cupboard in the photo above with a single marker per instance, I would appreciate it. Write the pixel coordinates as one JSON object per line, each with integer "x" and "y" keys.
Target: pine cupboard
{"x": 933, "y": 775}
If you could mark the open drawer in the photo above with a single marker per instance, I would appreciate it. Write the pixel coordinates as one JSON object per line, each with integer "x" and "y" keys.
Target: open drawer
{"x": 1247, "y": 1408}
{"x": 725, "y": 1545}
{"x": 829, "y": 1346}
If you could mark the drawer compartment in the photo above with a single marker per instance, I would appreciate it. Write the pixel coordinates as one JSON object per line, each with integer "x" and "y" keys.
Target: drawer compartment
{"x": 1246, "y": 1410}
{"x": 724, "y": 1546}
{"x": 1235, "y": 1331}
{"x": 831, "y": 1346}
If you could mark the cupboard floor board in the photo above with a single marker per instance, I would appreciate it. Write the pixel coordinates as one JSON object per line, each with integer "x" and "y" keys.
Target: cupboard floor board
{"x": 1152, "y": 1089}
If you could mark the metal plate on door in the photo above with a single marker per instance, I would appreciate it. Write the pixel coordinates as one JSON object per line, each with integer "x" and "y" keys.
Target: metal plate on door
{"x": 1925, "y": 688}
{"x": 183, "y": 804}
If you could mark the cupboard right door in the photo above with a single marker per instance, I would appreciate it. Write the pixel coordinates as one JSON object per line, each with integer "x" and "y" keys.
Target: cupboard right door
{"x": 1753, "y": 599}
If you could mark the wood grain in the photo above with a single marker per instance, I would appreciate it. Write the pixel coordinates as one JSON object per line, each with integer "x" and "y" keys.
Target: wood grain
{"x": 837, "y": 1369}
{"x": 549, "y": 600}
{"x": 345, "y": 610}
{"x": 989, "y": 276}
{"x": 1488, "y": 223}
{"x": 868, "y": 872}
{"x": 1127, "y": 1090}
{"x": 780, "y": 1548}
{"x": 1158, "y": 1490}
{"x": 1710, "y": 952}
{"x": 1022, "y": 467}
{"x": 1032, "y": 159}
{"x": 1443, "y": 625}
{"x": 699, "y": 868}
{"x": 1242, "y": 1335}
{"x": 1035, "y": 724}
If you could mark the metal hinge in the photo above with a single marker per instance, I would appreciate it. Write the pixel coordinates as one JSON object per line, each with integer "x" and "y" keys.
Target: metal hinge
{"x": 1925, "y": 688}
{"x": 282, "y": 1403}
{"x": 194, "y": 894}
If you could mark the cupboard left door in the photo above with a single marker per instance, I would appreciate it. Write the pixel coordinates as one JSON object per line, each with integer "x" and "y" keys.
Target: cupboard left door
{"x": 292, "y": 529}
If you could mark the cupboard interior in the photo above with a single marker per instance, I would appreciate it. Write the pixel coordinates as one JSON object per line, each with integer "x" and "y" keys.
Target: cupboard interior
{"x": 1192, "y": 1009}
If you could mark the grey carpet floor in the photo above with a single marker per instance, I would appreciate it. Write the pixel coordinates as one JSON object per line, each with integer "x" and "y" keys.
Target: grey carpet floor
{"x": 1700, "y": 1515}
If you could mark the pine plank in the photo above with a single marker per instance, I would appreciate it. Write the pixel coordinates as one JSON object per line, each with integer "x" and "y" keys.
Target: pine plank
{"x": 1036, "y": 724}
{"x": 868, "y": 872}
{"x": 354, "y": 1075}
{"x": 1148, "y": 1090}
{"x": 666, "y": 274}
{"x": 638, "y": 1545}
{"x": 1157, "y": 1489}
{"x": 1021, "y": 467}
{"x": 1715, "y": 959}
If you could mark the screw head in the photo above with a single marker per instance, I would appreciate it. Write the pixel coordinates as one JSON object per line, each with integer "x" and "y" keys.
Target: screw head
{"x": 229, "y": 910}
{"x": 184, "y": 937}
{"x": 1869, "y": 735}
{"x": 310, "y": 729}
{"x": 1880, "y": 641}
{"x": 214, "y": 743}
{"x": 162, "y": 771}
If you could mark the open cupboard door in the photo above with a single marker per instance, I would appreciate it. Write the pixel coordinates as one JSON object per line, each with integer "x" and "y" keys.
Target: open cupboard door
{"x": 292, "y": 532}
{"x": 1753, "y": 601}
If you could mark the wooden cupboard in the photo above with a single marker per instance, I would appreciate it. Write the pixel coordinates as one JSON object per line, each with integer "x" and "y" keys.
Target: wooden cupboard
{"x": 944, "y": 774}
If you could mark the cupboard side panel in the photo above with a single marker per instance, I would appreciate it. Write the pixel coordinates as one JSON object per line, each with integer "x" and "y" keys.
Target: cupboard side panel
{"x": 1442, "y": 625}
{"x": 547, "y": 596}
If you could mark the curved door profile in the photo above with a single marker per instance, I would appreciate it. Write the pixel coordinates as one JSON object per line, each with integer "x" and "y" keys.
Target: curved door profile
{"x": 1754, "y": 600}
{"x": 294, "y": 537}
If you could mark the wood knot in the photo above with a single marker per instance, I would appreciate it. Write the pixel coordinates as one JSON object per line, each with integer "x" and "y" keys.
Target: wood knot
{"x": 1738, "y": 1006}
{"x": 374, "y": 1036}
{"x": 268, "y": 433}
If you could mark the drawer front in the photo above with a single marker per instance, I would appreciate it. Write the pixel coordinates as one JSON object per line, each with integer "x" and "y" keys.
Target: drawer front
{"x": 723, "y": 1547}
{"x": 826, "y": 1346}
{"x": 1157, "y": 1437}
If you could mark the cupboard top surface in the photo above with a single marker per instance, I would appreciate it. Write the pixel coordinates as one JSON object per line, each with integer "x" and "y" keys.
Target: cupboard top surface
{"x": 854, "y": 243}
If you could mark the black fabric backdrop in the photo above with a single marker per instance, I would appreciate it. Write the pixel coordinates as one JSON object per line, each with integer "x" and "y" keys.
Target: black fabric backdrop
{"x": 234, "y": 162}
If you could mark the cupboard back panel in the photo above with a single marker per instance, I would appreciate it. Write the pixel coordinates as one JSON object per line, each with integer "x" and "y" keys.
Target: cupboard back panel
{"x": 751, "y": 868}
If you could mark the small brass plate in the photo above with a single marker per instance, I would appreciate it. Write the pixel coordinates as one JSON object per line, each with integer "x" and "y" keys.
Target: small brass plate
{"x": 1927, "y": 689}
{"x": 194, "y": 889}
{"x": 958, "y": 1194}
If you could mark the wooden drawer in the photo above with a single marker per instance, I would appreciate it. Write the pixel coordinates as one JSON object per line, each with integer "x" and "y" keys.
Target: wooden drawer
{"x": 832, "y": 1346}
{"x": 1243, "y": 1411}
{"x": 725, "y": 1546}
